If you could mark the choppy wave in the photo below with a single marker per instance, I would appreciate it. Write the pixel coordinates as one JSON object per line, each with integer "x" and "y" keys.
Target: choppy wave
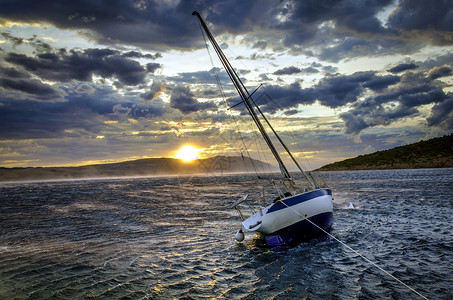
{"x": 168, "y": 238}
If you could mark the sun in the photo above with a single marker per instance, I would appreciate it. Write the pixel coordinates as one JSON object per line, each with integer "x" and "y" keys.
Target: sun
{"x": 187, "y": 153}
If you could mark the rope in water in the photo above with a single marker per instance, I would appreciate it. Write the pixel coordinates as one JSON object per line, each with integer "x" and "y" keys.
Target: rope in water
{"x": 356, "y": 252}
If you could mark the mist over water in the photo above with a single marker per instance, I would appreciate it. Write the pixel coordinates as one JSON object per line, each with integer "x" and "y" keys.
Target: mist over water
{"x": 165, "y": 238}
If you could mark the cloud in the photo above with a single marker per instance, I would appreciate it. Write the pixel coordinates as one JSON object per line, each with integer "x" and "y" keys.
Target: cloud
{"x": 442, "y": 114}
{"x": 28, "y": 119}
{"x": 421, "y": 15}
{"x": 310, "y": 70}
{"x": 438, "y": 72}
{"x": 136, "y": 54}
{"x": 288, "y": 71}
{"x": 353, "y": 15}
{"x": 378, "y": 83}
{"x": 184, "y": 100}
{"x": 353, "y": 123}
{"x": 157, "y": 88}
{"x": 402, "y": 100}
{"x": 154, "y": 25}
{"x": 372, "y": 100}
{"x": 339, "y": 90}
{"x": 152, "y": 67}
{"x": 332, "y": 91}
{"x": 82, "y": 113}
{"x": 32, "y": 87}
{"x": 333, "y": 29}
{"x": 260, "y": 45}
{"x": 403, "y": 67}
{"x": 81, "y": 65}
{"x": 204, "y": 77}
{"x": 284, "y": 97}
{"x": 13, "y": 73}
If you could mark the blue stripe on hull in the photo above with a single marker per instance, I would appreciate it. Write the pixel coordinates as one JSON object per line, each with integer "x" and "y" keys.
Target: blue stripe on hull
{"x": 301, "y": 231}
{"x": 299, "y": 199}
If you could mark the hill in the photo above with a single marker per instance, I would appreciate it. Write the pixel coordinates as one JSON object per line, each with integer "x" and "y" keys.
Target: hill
{"x": 141, "y": 167}
{"x": 433, "y": 153}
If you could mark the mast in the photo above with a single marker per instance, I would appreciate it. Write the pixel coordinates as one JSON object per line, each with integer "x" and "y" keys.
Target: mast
{"x": 310, "y": 180}
{"x": 244, "y": 94}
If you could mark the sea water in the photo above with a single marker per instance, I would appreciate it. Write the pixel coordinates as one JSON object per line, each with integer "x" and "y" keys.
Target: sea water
{"x": 168, "y": 238}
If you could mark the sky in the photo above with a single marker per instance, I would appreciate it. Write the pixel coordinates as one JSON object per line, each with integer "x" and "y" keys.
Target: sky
{"x": 85, "y": 82}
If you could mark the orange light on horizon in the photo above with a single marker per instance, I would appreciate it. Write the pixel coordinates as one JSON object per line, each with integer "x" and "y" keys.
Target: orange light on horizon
{"x": 187, "y": 153}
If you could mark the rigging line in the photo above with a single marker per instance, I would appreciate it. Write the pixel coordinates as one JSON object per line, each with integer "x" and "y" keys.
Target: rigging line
{"x": 249, "y": 97}
{"x": 219, "y": 85}
{"x": 310, "y": 175}
{"x": 243, "y": 92}
{"x": 355, "y": 251}
{"x": 292, "y": 135}
{"x": 259, "y": 146}
{"x": 259, "y": 143}
{"x": 284, "y": 145}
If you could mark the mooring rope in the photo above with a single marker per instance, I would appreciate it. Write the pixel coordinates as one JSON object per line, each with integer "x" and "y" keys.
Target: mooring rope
{"x": 356, "y": 252}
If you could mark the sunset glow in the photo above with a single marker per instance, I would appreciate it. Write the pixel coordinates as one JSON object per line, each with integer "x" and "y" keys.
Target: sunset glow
{"x": 187, "y": 153}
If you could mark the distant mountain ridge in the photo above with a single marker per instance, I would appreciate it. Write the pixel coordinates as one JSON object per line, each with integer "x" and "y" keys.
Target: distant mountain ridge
{"x": 433, "y": 153}
{"x": 141, "y": 167}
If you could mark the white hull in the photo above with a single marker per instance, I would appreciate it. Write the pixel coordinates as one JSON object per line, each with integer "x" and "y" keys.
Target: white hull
{"x": 293, "y": 210}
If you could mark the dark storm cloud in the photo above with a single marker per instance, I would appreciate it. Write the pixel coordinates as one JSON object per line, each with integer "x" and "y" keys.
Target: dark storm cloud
{"x": 381, "y": 82}
{"x": 147, "y": 23}
{"x": 17, "y": 81}
{"x": 144, "y": 110}
{"x": 360, "y": 19}
{"x": 438, "y": 72}
{"x": 402, "y": 100}
{"x": 136, "y": 54}
{"x": 349, "y": 47}
{"x": 285, "y": 97}
{"x": 403, "y": 67}
{"x": 32, "y": 87}
{"x": 184, "y": 100}
{"x": 13, "y": 73}
{"x": 349, "y": 23}
{"x": 357, "y": 15}
{"x": 294, "y": 70}
{"x": 157, "y": 88}
{"x": 81, "y": 112}
{"x": 356, "y": 31}
{"x": 442, "y": 114}
{"x": 337, "y": 91}
{"x": 310, "y": 70}
{"x": 422, "y": 15}
{"x": 329, "y": 69}
{"x": 152, "y": 67}
{"x": 288, "y": 71}
{"x": 374, "y": 100}
{"x": 27, "y": 119}
{"x": 333, "y": 91}
{"x": 161, "y": 24}
{"x": 202, "y": 76}
{"x": 65, "y": 66}
{"x": 439, "y": 60}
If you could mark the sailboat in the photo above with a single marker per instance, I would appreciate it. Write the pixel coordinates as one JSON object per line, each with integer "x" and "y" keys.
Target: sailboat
{"x": 297, "y": 213}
